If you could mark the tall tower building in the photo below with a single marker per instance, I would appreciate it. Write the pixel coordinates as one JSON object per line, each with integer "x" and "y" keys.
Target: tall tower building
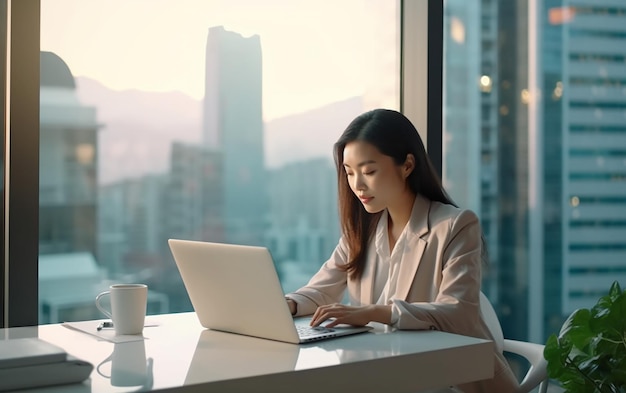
{"x": 512, "y": 163}
{"x": 549, "y": 186}
{"x": 471, "y": 121}
{"x": 67, "y": 196}
{"x": 581, "y": 151}
{"x": 194, "y": 199}
{"x": 68, "y": 159}
{"x": 233, "y": 125}
{"x": 462, "y": 122}
{"x": 584, "y": 153}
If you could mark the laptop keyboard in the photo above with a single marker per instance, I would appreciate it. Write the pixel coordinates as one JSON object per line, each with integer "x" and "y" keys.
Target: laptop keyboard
{"x": 307, "y": 331}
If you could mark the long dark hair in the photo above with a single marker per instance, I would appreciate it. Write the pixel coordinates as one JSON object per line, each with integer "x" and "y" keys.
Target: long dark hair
{"x": 395, "y": 136}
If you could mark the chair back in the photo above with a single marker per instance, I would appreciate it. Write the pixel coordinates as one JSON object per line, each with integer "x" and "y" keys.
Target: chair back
{"x": 537, "y": 374}
{"x": 491, "y": 319}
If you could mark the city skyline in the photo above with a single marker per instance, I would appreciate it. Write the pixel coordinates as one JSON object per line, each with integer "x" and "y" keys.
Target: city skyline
{"x": 200, "y": 196}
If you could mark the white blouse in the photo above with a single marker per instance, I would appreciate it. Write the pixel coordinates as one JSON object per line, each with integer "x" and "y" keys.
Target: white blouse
{"x": 387, "y": 265}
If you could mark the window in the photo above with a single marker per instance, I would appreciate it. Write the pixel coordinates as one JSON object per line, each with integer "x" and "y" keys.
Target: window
{"x": 213, "y": 121}
{"x": 419, "y": 76}
{"x": 551, "y": 192}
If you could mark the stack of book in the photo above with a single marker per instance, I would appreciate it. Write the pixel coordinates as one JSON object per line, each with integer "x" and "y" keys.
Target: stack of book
{"x": 32, "y": 362}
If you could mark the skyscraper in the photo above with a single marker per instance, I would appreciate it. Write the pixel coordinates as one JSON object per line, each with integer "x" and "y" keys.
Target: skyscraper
{"x": 193, "y": 196}
{"x": 233, "y": 125}
{"x": 68, "y": 159}
{"x": 584, "y": 151}
{"x": 67, "y": 196}
{"x": 512, "y": 166}
{"x": 472, "y": 126}
{"x": 556, "y": 223}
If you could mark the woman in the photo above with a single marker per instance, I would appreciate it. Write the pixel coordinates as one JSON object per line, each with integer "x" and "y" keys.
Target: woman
{"x": 408, "y": 256}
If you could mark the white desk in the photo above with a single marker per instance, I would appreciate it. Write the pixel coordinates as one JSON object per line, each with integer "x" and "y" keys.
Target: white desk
{"x": 179, "y": 355}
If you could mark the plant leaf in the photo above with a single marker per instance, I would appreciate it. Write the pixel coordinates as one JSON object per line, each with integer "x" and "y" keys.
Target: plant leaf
{"x": 615, "y": 291}
{"x": 589, "y": 353}
{"x": 578, "y": 331}
{"x": 555, "y": 355}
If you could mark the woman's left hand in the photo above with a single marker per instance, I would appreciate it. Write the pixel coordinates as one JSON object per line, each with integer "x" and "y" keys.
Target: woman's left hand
{"x": 341, "y": 313}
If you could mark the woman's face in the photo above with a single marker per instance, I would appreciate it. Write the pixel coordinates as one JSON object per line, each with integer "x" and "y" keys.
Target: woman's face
{"x": 374, "y": 177}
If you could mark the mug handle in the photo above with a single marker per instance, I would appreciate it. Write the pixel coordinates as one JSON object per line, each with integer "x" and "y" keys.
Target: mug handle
{"x": 104, "y": 311}
{"x": 103, "y": 362}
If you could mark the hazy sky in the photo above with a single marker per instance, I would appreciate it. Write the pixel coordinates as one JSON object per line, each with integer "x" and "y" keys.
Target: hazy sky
{"x": 314, "y": 52}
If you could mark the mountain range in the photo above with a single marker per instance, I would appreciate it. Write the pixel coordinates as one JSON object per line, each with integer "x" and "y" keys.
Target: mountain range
{"x": 137, "y": 129}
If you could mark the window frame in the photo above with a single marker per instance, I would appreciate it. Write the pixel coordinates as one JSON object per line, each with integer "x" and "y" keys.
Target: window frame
{"x": 20, "y": 300}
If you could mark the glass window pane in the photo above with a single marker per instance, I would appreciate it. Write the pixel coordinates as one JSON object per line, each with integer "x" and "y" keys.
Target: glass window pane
{"x": 203, "y": 120}
{"x": 542, "y": 160}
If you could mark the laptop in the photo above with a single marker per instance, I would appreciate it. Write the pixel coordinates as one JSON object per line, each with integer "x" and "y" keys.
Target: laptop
{"x": 235, "y": 289}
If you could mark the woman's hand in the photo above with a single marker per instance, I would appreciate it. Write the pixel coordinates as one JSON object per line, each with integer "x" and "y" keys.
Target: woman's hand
{"x": 351, "y": 315}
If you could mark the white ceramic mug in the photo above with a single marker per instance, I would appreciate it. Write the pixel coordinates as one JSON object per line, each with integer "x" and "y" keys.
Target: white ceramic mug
{"x": 128, "y": 307}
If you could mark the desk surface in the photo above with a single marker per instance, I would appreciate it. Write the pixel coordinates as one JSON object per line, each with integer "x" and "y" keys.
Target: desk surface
{"x": 179, "y": 355}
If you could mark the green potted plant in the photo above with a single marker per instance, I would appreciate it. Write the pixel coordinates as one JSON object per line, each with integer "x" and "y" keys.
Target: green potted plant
{"x": 589, "y": 354}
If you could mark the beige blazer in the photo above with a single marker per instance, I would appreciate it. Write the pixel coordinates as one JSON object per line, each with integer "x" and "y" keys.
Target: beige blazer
{"x": 438, "y": 283}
